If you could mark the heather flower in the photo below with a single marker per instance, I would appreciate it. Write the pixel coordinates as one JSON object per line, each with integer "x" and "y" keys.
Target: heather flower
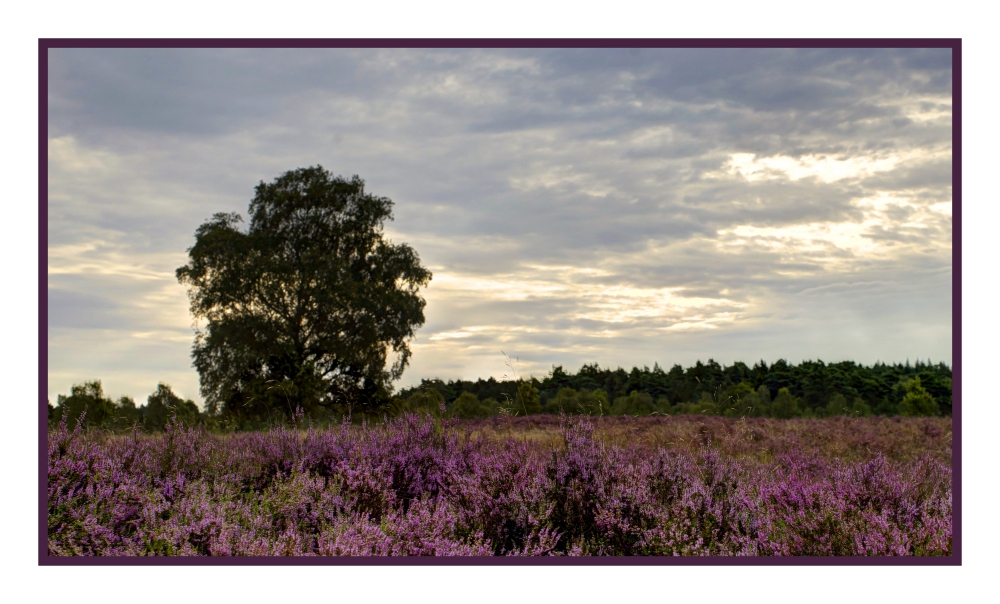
{"x": 526, "y": 486}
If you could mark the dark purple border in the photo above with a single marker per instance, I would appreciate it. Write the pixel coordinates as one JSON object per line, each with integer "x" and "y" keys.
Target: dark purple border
{"x": 43, "y": 329}
{"x": 956, "y": 299}
{"x": 43, "y": 301}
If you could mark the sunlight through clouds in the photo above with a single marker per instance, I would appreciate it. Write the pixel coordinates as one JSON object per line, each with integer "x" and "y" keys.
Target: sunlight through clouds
{"x": 618, "y": 304}
{"x": 826, "y": 169}
{"x": 817, "y": 240}
{"x": 605, "y": 308}
{"x": 923, "y": 108}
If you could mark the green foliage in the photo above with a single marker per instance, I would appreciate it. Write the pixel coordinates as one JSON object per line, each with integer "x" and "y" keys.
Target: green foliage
{"x": 887, "y": 407}
{"x": 938, "y": 386}
{"x": 302, "y": 308}
{"x": 740, "y": 391}
{"x": 759, "y": 404}
{"x": 785, "y": 405}
{"x": 917, "y": 401}
{"x": 740, "y": 400}
{"x": 87, "y": 398}
{"x": 583, "y": 402}
{"x": 707, "y": 405}
{"x": 467, "y": 406}
{"x": 765, "y": 395}
{"x": 837, "y": 405}
{"x": 492, "y": 405}
{"x": 527, "y": 400}
{"x": 126, "y": 413}
{"x": 163, "y": 406}
{"x": 638, "y": 404}
{"x": 860, "y": 409}
{"x": 565, "y": 402}
{"x": 593, "y": 402}
{"x": 429, "y": 402}
{"x": 713, "y": 388}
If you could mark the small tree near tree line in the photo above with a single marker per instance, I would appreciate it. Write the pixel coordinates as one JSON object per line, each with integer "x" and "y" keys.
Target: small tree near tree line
{"x": 88, "y": 401}
{"x": 304, "y": 307}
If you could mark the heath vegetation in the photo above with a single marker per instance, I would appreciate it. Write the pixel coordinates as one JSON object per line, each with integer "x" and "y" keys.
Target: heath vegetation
{"x": 419, "y": 485}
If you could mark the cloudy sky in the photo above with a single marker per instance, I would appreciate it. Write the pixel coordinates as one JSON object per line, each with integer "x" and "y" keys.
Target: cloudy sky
{"x": 622, "y": 207}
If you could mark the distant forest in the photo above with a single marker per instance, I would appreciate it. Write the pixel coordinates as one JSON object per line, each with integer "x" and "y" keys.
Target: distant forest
{"x": 782, "y": 390}
{"x": 810, "y": 389}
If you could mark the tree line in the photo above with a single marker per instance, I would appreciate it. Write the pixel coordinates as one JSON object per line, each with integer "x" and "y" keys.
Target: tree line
{"x": 782, "y": 390}
{"x": 87, "y": 402}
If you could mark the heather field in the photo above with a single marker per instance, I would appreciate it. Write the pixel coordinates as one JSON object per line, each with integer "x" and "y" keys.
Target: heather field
{"x": 526, "y": 486}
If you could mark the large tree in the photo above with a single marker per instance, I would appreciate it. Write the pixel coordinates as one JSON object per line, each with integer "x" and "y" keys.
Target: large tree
{"x": 304, "y": 307}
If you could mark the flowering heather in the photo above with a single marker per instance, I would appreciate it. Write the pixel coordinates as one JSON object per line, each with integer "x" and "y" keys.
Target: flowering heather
{"x": 521, "y": 486}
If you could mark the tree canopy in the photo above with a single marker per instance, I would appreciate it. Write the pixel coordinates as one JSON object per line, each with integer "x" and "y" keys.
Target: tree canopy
{"x": 305, "y": 306}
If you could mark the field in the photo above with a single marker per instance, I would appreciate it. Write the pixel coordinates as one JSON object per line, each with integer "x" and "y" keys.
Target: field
{"x": 537, "y": 485}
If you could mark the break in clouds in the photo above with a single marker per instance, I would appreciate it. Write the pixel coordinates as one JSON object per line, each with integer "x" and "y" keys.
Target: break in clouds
{"x": 622, "y": 207}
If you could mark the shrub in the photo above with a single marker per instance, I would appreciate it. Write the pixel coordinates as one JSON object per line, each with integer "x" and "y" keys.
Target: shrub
{"x": 785, "y": 405}
{"x": 918, "y": 402}
{"x": 467, "y": 406}
{"x": 85, "y": 399}
{"x": 638, "y": 404}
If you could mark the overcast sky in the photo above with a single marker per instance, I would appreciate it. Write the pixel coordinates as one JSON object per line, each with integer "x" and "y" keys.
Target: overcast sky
{"x": 622, "y": 207}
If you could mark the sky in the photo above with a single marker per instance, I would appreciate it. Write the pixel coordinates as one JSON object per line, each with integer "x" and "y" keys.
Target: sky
{"x": 623, "y": 207}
